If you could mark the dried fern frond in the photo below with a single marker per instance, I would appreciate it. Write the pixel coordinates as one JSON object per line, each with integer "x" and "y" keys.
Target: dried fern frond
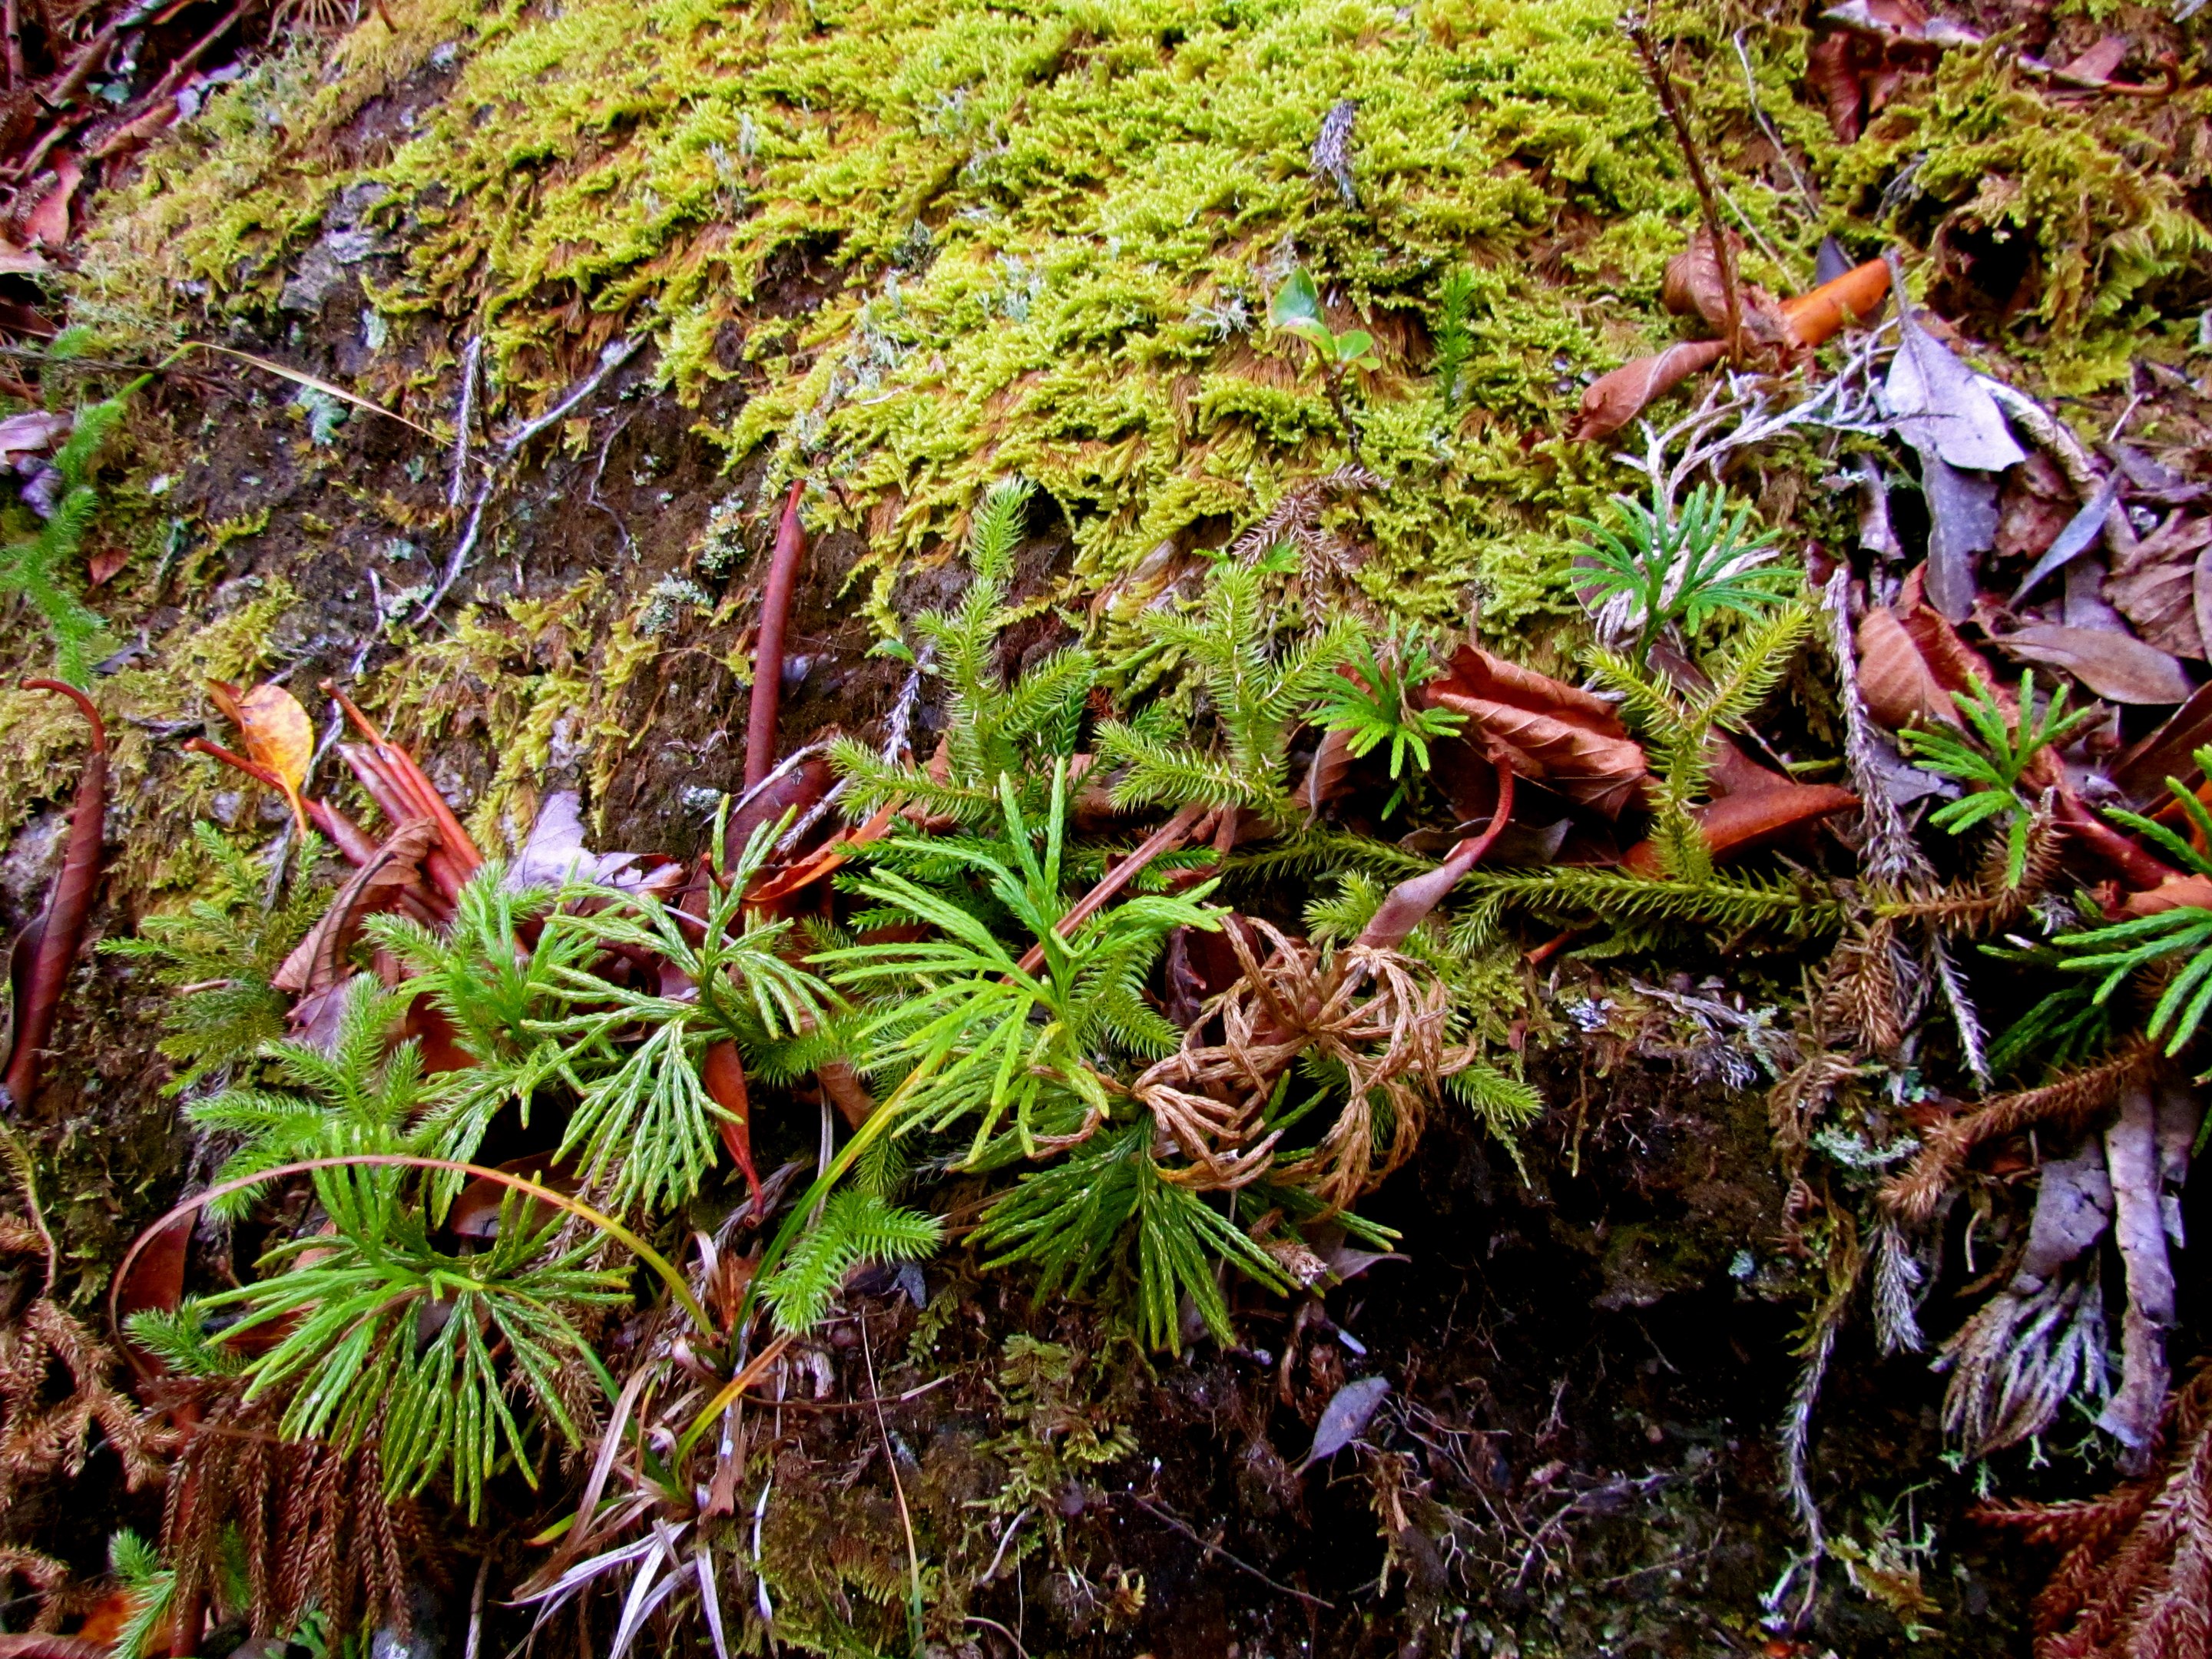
{"x": 38, "y": 1439}
{"x": 2136, "y": 1580}
{"x": 2071, "y": 1100}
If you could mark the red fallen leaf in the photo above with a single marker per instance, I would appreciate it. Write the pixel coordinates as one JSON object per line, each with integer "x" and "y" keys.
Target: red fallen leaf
{"x": 1611, "y": 401}
{"x": 1831, "y": 73}
{"x": 2096, "y": 66}
{"x": 1543, "y": 728}
{"x": 1325, "y": 776}
{"x": 156, "y": 1282}
{"x": 724, "y": 1075}
{"x": 46, "y": 952}
{"x": 2117, "y": 668}
{"x": 319, "y": 962}
{"x": 100, "y": 569}
{"x": 2172, "y": 894}
{"x": 1738, "y": 824}
{"x": 434, "y": 1038}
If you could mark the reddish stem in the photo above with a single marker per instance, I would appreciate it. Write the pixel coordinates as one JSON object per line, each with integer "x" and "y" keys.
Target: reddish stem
{"x": 415, "y": 786}
{"x": 767, "y": 654}
{"x": 2139, "y": 869}
{"x": 1410, "y": 902}
{"x": 1168, "y": 836}
{"x": 62, "y": 927}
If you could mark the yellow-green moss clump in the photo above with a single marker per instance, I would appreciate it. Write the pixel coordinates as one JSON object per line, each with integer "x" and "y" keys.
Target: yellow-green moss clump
{"x": 937, "y": 242}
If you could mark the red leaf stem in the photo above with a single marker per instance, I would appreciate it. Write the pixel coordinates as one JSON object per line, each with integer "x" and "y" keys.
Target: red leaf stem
{"x": 767, "y": 654}
{"x": 62, "y": 927}
{"x": 1410, "y": 902}
{"x": 1167, "y": 837}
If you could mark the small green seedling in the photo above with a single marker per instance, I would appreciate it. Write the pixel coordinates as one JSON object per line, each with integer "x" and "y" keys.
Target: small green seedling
{"x": 1379, "y": 707}
{"x": 1992, "y": 770}
{"x": 1296, "y": 310}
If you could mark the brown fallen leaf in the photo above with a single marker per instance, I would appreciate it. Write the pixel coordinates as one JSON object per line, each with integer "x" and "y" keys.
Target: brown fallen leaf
{"x": 1543, "y": 728}
{"x": 2140, "y": 772}
{"x": 48, "y": 223}
{"x": 2115, "y": 666}
{"x": 101, "y": 568}
{"x": 2035, "y": 504}
{"x": 1738, "y": 824}
{"x": 319, "y": 962}
{"x": 1899, "y": 683}
{"x": 2172, "y": 894}
{"x": 277, "y": 734}
{"x": 1611, "y": 401}
{"x": 2163, "y": 585}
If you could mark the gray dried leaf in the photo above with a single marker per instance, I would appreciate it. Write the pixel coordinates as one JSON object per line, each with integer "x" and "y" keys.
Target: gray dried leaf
{"x": 555, "y": 853}
{"x": 2116, "y": 667}
{"x": 1941, "y": 406}
{"x": 1346, "y": 1416}
{"x": 2083, "y": 528}
{"x": 1962, "y": 516}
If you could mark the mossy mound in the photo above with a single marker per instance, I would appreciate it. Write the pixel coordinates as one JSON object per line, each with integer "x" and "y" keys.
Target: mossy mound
{"x": 932, "y": 242}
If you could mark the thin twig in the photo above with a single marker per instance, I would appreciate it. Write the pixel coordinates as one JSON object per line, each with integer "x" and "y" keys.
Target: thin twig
{"x": 1639, "y": 34}
{"x": 1810, "y": 197}
{"x": 464, "y": 419}
{"x": 609, "y": 360}
{"x": 1169, "y": 1518}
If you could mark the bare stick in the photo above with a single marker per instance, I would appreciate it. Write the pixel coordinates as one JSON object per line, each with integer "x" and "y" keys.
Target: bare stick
{"x": 463, "y": 420}
{"x": 1168, "y": 836}
{"x": 1639, "y": 35}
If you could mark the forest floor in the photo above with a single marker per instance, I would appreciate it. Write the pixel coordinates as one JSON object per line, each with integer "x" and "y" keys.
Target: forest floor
{"x": 487, "y": 364}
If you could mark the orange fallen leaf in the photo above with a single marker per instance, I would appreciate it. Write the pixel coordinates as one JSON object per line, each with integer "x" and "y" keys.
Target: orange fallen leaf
{"x": 1855, "y": 296}
{"x": 1737, "y": 824}
{"x": 277, "y": 732}
{"x": 724, "y": 1075}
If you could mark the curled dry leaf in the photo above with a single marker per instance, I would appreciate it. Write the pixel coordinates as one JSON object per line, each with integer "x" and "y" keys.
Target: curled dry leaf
{"x": 1544, "y": 729}
{"x": 317, "y": 963}
{"x": 2115, "y": 666}
{"x": 2163, "y": 585}
{"x": 1614, "y": 400}
{"x": 277, "y": 733}
{"x": 1694, "y": 286}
